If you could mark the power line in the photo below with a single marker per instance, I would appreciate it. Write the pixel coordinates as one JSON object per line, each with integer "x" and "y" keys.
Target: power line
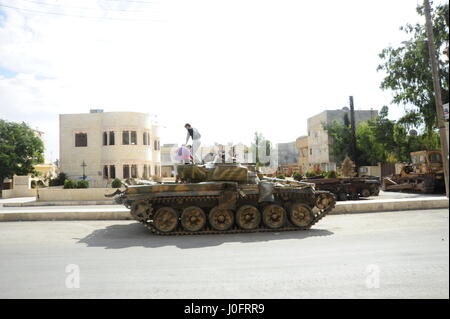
{"x": 75, "y": 7}
{"x": 73, "y": 16}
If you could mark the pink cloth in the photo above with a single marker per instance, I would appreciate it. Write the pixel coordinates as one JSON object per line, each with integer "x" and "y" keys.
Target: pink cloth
{"x": 183, "y": 154}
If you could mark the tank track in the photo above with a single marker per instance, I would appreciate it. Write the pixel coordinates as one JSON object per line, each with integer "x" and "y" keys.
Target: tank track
{"x": 207, "y": 230}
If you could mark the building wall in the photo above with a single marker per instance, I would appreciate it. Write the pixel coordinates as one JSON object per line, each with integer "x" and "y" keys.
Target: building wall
{"x": 303, "y": 153}
{"x": 287, "y": 153}
{"x": 96, "y": 155}
{"x": 318, "y": 139}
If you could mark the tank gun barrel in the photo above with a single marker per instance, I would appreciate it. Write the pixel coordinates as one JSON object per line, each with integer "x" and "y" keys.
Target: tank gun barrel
{"x": 288, "y": 182}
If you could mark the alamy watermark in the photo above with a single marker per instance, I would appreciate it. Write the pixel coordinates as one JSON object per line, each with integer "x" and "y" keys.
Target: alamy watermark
{"x": 372, "y": 276}
{"x": 73, "y": 277}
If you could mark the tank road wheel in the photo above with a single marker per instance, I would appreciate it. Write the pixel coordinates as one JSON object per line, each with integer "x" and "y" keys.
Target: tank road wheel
{"x": 141, "y": 210}
{"x": 342, "y": 196}
{"x": 324, "y": 201}
{"x": 221, "y": 219}
{"x": 274, "y": 216}
{"x": 301, "y": 215}
{"x": 165, "y": 219}
{"x": 365, "y": 192}
{"x": 193, "y": 218}
{"x": 248, "y": 217}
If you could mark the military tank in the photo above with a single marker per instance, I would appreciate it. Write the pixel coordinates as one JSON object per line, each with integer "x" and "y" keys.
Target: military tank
{"x": 224, "y": 198}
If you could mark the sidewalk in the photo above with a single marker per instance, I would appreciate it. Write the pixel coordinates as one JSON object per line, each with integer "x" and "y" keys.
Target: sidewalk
{"x": 118, "y": 212}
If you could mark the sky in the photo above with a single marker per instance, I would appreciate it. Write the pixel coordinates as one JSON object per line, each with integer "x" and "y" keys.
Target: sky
{"x": 229, "y": 68}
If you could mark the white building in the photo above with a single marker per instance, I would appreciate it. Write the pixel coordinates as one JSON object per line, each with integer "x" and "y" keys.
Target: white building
{"x": 110, "y": 144}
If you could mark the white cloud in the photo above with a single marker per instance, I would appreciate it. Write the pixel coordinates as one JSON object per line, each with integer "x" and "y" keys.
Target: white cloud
{"x": 228, "y": 67}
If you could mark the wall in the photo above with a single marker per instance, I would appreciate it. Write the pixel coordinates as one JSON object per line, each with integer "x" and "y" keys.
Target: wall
{"x": 303, "y": 153}
{"x": 370, "y": 170}
{"x": 14, "y": 193}
{"x": 21, "y": 187}
{"x": 52, "y": 194}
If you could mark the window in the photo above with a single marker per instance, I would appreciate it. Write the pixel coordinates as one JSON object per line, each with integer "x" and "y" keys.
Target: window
{"x": 133, "y": 138}
{"x": 105, "y": 138}
{"x": 105, "y": 172}
{"x": 414, "y": 159}
{"x": 112, "y": 171}
{"x": 80, "y": 139}
{"x": 156, "y": 145}
{"x": 156, "y": 170}
{"x": 421, "y": 159}
{"x": 126, "y": 171}
{"x": 111, "y": 138}
{"x": 145, "y": 138}
{"x": 134, "y": 172}
{"x": 310, "y": 151}
{"x": 148, "y": 139}
{"x": 145, "y": 172}
{"x": 435, "y": 158}
{"x": 126, "y": 137}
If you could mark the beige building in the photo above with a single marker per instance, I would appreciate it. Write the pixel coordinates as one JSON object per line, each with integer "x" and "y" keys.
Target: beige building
{"x": 108, "y": 145}
{"x": 303, "y": 150}
{"x": 318, "y": 139}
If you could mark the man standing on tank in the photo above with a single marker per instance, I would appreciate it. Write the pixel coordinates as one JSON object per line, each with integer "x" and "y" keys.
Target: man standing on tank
{"x": 195, "y": 135}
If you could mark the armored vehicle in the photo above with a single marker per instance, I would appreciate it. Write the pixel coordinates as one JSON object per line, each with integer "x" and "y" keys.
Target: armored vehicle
{"x": 424, "y": 174}
{"x": 224, "y": 198}
{"x": 348, "y": 188}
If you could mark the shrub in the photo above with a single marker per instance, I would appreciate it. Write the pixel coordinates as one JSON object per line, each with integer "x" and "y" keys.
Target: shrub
{"x": 310, "y": 174}
{"x": 281, "y": 176}
{"x": 59, "y": 180}
{"x": 68, "y": 184}
{"x": 116, "y": 183}
{"x": 297, "y": 176}
{"x": 83, "y": 184}
{"x": 331, "y": 174}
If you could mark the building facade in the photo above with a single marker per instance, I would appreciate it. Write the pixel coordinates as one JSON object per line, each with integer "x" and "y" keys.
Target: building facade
{"x": 168, "y": 160}
{"x": 287, "y": 153}
{"x": 318, "y": 139}
{"x": 107, "y": 145}
{"x": 303, "y": 150}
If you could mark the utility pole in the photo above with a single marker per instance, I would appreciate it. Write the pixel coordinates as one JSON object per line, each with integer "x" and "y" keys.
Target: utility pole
{"x": 353, "y": 132}
{"x": 437, "y": 92}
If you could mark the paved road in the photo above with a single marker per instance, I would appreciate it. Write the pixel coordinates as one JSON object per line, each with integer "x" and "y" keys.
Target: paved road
{"x": 372, "y": 255}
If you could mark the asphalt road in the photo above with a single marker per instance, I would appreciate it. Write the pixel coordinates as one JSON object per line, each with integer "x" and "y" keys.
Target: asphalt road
{"x": 372, "y": 255}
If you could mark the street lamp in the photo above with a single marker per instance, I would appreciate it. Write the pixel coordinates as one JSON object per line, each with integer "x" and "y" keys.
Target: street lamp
{"x": 84, "y": 173}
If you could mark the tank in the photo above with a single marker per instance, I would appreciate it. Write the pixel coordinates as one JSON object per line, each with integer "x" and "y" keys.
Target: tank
{"x": 348, "y": 188}
{"x": 225, "y": 198}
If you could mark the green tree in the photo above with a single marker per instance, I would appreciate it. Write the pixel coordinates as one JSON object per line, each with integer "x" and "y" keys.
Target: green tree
{"x": 408, "y": 70}
{"x": 20, "y": 150}
{"x": 340, "y": 134}
{"x": 261, "y": 148}
{"x": 380, "y": 140}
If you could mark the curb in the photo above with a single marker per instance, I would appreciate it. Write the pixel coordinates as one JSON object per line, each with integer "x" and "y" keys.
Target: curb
{"x": 68, "y": 214}
{"x": 390, "y": 205}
